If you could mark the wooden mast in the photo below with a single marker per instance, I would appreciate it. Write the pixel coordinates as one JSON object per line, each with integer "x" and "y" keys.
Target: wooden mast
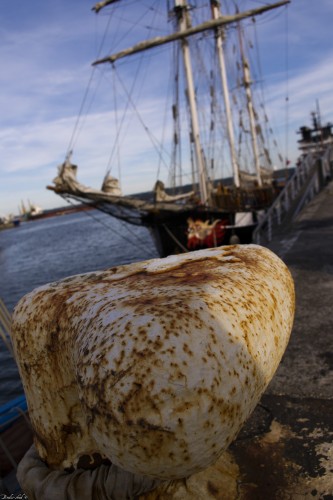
{"x": 247, "y": 85}
{"x": 219, "y": 47}
{"x": 181, "y": 12}
{"x": 209, "y": 25}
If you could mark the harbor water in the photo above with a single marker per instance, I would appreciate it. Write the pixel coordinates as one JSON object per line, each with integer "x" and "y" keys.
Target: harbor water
{"x": 46, "y": 250}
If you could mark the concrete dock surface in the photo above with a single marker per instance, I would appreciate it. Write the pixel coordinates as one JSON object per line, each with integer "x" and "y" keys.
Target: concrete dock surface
{"x": 285, "y": 450}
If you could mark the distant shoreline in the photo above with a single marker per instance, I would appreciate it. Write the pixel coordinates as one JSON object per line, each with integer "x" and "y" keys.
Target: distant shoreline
{"x": 52, "y": 212}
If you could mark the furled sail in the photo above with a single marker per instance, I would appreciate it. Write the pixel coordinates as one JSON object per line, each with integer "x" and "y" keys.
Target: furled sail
{"x": 162, "y": 195}
{"x": 111, "y": 186}
{"x": 248, "y": 179}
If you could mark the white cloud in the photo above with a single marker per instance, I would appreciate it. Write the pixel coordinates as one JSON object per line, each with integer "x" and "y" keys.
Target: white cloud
{"x": 303, "y": 89}
{"x": 45, "y": 69}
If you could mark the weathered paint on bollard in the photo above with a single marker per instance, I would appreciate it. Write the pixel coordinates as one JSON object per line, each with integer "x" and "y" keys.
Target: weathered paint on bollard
{"x": 155, "y": 365}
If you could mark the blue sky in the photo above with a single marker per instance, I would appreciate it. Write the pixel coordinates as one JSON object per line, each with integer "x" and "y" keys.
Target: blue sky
{"x": 46, "y": 52}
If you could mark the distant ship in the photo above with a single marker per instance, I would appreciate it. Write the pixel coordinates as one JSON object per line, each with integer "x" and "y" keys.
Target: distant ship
{"x": 315, "y": 139}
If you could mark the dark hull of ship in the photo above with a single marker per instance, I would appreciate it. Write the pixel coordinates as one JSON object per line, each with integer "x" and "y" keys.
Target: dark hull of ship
{"x": 168, "y": 224}
{"x": 171, "y": 238}
{"x": 170, "y": 230}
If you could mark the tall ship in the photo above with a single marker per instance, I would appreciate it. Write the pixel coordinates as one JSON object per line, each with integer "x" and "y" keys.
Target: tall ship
{"x": 210, "y": 141}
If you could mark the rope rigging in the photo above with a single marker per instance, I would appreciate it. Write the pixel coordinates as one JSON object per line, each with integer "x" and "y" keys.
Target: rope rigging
{"x": 75, "y": 133}
{"x": 155, "y": 142}
{"x": 137, "y": 241}
{"x": 130, "y": 99}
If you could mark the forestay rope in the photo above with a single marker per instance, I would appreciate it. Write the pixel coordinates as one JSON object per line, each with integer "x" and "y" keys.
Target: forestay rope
{"x": 141, "y": 243}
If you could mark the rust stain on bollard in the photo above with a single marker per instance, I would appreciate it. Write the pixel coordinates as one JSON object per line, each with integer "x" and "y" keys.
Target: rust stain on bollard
{"x": 155, "y": 365}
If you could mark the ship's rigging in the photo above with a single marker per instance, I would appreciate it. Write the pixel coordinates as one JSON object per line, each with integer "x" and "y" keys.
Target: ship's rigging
{"x": 212, "y": 126}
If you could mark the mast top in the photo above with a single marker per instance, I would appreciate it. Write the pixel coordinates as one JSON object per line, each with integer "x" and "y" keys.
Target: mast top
{"x": 101, "y": 5}
{"x": 208, "y": 25}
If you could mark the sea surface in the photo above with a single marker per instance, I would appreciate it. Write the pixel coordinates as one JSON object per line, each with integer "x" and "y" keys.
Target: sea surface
{"x": 46, "y": 250}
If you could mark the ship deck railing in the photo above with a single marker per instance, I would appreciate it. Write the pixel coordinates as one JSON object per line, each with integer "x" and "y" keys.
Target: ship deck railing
{"x": 310, "y": 176}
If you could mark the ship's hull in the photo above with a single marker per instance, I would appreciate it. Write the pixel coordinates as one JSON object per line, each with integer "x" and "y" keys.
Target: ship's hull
{"x": 170, "y": 231}
{"x": 170, "y": 225}
{"x": 177, "y": 243}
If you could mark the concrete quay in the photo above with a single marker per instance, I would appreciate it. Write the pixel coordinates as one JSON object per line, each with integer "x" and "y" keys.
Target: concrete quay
{"x": 285, "y": 451}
